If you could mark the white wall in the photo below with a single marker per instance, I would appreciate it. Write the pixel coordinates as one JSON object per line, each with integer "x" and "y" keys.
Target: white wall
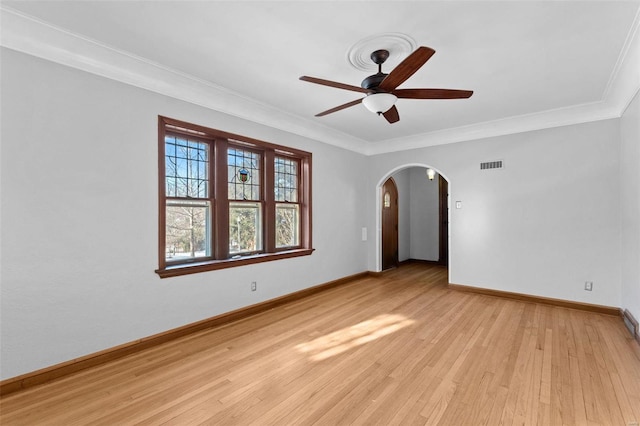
{"x": 630, "y": 207}
{"x": 545, "y": 224}
{"x": 424, "y": 215}
{"x": 79, "y": 218}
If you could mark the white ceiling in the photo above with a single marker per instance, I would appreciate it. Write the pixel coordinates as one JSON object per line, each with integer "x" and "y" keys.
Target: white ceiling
{"x": 522, "y": 59}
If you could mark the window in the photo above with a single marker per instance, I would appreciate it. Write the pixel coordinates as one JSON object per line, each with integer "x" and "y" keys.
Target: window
{"x": 188, "y": 205}
{"x": 287, "y": 205}
{"x": 226, "y": 200}
{"x": 245, "y": 209}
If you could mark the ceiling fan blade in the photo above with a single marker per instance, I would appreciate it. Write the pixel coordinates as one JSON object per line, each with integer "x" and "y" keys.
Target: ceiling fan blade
{"x": 432, "y": 93}
{"x": 406, "y": 68}
{"x": 333, "y": 84}
{"x": 340, "y": 107}
{"x": 392, "y": 115}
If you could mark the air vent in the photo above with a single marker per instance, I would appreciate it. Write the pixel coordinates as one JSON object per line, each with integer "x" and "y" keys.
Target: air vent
{"x": 491, "y": 165}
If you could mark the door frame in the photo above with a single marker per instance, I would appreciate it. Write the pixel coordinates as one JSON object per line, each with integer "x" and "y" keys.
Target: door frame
{"x": 394, "y": 226}
{"x": 378, "y": 212}
{"x": 443, "y": 221}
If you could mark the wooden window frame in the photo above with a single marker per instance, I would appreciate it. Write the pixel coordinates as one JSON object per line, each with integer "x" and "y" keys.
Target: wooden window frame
{"x": 298, "y": 203}
{"x": 219, "y": 142}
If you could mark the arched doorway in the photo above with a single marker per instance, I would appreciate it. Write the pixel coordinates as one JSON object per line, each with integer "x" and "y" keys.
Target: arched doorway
{"x": 418, "y": 237}
{"x": 389, "y": 224}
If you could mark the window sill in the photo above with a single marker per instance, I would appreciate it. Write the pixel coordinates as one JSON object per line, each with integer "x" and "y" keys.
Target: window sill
{"x": 212, "y": 265}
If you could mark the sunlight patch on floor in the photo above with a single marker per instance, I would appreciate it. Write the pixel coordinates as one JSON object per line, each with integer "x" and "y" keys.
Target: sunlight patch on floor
{"x": 350, "y": 337}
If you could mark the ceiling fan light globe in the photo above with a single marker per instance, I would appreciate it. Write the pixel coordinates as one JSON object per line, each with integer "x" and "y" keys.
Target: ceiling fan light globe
{"x": 379, "y": 102}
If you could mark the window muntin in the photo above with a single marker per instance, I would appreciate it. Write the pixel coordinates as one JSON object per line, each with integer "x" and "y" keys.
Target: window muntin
{"x": 286, "y": 179}
{"x": 245, "y": 218}
{"x": 243, "y": 174}
{"x": 188, "y": 209}
{"x": 286, "y": 193}
{"x": 208, "y": 179}
{"x": 186, "y": 166}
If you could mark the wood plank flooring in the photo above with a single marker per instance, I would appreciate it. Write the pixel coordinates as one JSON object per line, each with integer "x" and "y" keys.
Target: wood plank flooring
{"x": 399, "y": 349}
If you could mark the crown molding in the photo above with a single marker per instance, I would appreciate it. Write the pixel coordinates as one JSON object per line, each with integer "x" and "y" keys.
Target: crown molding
{"x": 507, "y": 126}
{"x": 28, "y": 35}
{"x": 622, "y": 87}
{"x": 626, "y": 72}
{"x": 37, "y": 38}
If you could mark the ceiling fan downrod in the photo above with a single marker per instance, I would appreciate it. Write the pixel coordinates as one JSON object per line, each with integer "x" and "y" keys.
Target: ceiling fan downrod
{"x": 373, "y": 81}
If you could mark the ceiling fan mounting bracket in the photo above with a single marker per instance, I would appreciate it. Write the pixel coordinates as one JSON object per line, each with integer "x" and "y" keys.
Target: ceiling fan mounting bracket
{"x": 379, "y": 56}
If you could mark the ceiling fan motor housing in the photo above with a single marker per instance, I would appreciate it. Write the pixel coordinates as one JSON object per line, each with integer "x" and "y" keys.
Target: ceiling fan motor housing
{"x": 373, "y": 81}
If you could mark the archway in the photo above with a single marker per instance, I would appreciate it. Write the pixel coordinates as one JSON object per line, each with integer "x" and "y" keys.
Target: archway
{"x": 437, "y": 239}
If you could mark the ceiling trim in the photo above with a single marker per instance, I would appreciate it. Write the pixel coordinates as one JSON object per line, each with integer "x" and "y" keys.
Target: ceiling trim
{"x": 511, "y": 125}
{"x": 32, "y": 36}
{"x": 29, "y": 35}
{"x": 623, "y": 85}
{"x": 628, "y": 56}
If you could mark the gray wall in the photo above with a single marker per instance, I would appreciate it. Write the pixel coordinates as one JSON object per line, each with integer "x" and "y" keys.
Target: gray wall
{"x": 417, "y": 214}
{"x": 79, "y": 218}
{"x": 630, "y": 207}
{"x": 543, "y": 225}
{"x": 424, "y": 206}
{"x": 78, "y": 178}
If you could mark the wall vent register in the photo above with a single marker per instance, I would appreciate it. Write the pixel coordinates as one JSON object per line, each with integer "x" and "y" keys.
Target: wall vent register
{"x": 498, "y": 164}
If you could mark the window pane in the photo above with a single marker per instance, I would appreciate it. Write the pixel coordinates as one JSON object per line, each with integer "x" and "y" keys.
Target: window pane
{"x": 286, "y": 179}
{"x": 186, "y": 167}
{"x": 287, "y": 225}
{"x": 243, "y": 170}
{"x": 187, "y": 230}
{"x": 245, "y": 227}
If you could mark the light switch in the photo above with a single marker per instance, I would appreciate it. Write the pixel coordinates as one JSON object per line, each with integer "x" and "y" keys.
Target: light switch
{"x": 458, "y": 204}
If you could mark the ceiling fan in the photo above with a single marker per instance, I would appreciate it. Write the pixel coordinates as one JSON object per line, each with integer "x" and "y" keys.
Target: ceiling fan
{"x": 381, "y": 89}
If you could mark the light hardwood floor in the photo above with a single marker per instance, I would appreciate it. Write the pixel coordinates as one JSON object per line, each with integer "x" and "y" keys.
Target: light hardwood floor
{"x": 400, "y": 349}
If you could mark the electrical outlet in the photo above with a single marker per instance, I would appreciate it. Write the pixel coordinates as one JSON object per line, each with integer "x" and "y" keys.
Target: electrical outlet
{"x": 254, "y": 286}
{"x": 588, "y": 285}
